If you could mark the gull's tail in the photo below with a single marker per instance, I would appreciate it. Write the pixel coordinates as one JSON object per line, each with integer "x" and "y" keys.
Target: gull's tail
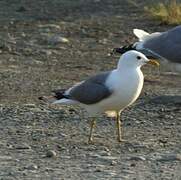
{"x": 58, "y": 98}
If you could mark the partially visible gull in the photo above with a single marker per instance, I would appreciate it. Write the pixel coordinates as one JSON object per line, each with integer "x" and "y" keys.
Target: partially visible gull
{"x": 165, "y": 46}
{"x": 108, "y": 91}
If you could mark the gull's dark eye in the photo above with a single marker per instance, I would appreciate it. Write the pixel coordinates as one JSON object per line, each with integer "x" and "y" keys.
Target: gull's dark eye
{"x": 138, "y": 57}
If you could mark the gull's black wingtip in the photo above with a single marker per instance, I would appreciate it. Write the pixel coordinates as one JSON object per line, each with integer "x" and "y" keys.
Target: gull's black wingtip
{"x": 40, "y": 98}
{"x": 123, "y": 49}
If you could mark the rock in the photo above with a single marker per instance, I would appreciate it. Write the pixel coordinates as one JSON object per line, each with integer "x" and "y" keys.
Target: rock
{"x": 2, "y": 158}
{"x": 166, "y": 99}
{"x": 46, "y": 52}
{"x": 57, "y": 39}
{"x": 11, "y": 59}
{"x": 132, "y": 164}
{"x": 169, "y": 157}
{"x": 28, "y": 116}
{"x": 38, "y": 62}
{"x": 51, "y": 153}
{"x": 113, "y": 163}
{"x": 54, "y": 26}
{"x": 23, "y": 147}
{"x": 103, "y": 41}
{"x": 23, "y": 34}
{"x": 137, "y": 158}
{"x": 105, "y": 153}
{"x": 49, "y": 170}
{"x": 37, "y": 110}
{"x": 21, "y": 9}
{"x": 32, "y": 167}
{"x": 30, "y": 105}
{"x": 98, "y": 170}
{"x": 163, "y": 141}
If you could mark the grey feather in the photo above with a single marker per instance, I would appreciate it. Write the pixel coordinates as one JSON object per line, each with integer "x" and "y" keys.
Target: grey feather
{"x": 92, "y": 90}
{"x": 166, "y": 44}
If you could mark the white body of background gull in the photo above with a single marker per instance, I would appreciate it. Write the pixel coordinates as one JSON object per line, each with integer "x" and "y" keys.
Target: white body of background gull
{"x": 165, "y": 46}
{"x": 108, "y": 91}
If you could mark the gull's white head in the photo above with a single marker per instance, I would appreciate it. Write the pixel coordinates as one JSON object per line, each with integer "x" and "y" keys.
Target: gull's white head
{"x": 134, "y": 59}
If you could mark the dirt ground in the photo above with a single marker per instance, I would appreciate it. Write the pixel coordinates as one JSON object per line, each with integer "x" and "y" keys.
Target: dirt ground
{"x": 42, "y": 142}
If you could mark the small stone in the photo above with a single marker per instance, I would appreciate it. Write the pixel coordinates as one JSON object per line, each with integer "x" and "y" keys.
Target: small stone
{"x": 28, "y": 116}
{"x": 38, "y": 62}
{"x": 103, "y": 41}
{"x": 5, "y": 158}
{"x": 32, "y": 167}
{"x": 113, "y": 163}
{"x": 11, "y": 59}
{"x": 56, "y": 39}
{"x": 164, "y": 141}
{"x": 22, "y": 147}
{"x": 23, "y": 34}
{"x": 49, "y": 170}
{"x": 105, "y": 153}
{"x": 54, "y": 26}
{"x": 137, "y": 158}
{"x": 21, "y": 9}
{"x": 30, "y": 105}
{"x": 98, "y": 170}
{"x": 132, "y": 164}
{"x": 51, "y": 153}
{"x": 170, "y": 157}
{"x": 47, "y": 52}
{"x": 37, "y": 110}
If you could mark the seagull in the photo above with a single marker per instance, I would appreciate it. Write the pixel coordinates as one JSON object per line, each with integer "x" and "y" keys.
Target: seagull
{"x": 108, "y": 91}
{"x": 165, "y": 46}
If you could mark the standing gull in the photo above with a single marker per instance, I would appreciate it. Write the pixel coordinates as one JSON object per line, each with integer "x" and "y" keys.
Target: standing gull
{"x": 165, "y": 46}
{"x": 108, "y": 91}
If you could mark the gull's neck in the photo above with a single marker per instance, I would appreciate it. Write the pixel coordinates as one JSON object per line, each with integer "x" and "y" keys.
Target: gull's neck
{"x": 125, "y": 68}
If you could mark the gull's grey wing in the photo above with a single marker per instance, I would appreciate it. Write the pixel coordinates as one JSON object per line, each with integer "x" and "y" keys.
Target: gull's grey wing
{"x": 166, "y": 44}
{"x": 91, "y": 91}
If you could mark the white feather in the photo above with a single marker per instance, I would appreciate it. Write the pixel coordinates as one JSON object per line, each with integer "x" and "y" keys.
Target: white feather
{"x": 141, "y": 34}
{"x": 65, "y": 101}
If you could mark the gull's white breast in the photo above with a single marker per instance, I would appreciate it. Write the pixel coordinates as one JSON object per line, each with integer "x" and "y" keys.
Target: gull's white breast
{"x": 126, "y": 87}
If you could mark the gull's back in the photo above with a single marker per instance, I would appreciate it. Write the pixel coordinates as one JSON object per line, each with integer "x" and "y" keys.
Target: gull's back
{"x": 166, "y": 44}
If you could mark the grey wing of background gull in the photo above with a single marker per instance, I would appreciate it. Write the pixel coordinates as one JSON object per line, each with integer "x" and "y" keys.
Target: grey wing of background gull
{"x": 92, "y": 90}
{"x": 166, "y": 45}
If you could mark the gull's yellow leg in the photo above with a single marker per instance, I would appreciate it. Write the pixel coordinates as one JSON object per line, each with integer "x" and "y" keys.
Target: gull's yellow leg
{"x": 118, "y": 125}
{"x": 92, "y": 126}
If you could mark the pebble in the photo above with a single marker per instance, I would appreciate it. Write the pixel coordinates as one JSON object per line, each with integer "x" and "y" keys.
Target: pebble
{"x": 30, "y": 105}
{"x": 5, "y": 158}
{"x": 49, "y": 169}
{"x": 137, "y": 158}
{"x": 28, "y": 116}
{"x": 23, "y": 147}
{"x": 104, "y": 153}
{"x": 46, "y": 52}
{"x": 38, "y": 110}
{"x": 54, "y": 26}
{"x": 169, "y": 157}
{"x": 21, "y": 9}
{"x": 51, "y": 153}
{"x": 32, "y": 167}
{"x": 56, "y": 39}
{"x": 132, "y": 164}
{"x": 113, "y": 163}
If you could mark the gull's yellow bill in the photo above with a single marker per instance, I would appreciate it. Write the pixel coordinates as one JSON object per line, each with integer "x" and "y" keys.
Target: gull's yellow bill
{"x": 153, "y": 62}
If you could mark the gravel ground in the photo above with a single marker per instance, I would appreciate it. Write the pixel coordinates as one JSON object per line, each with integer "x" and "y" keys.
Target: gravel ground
{"x": 46, "y": 45}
